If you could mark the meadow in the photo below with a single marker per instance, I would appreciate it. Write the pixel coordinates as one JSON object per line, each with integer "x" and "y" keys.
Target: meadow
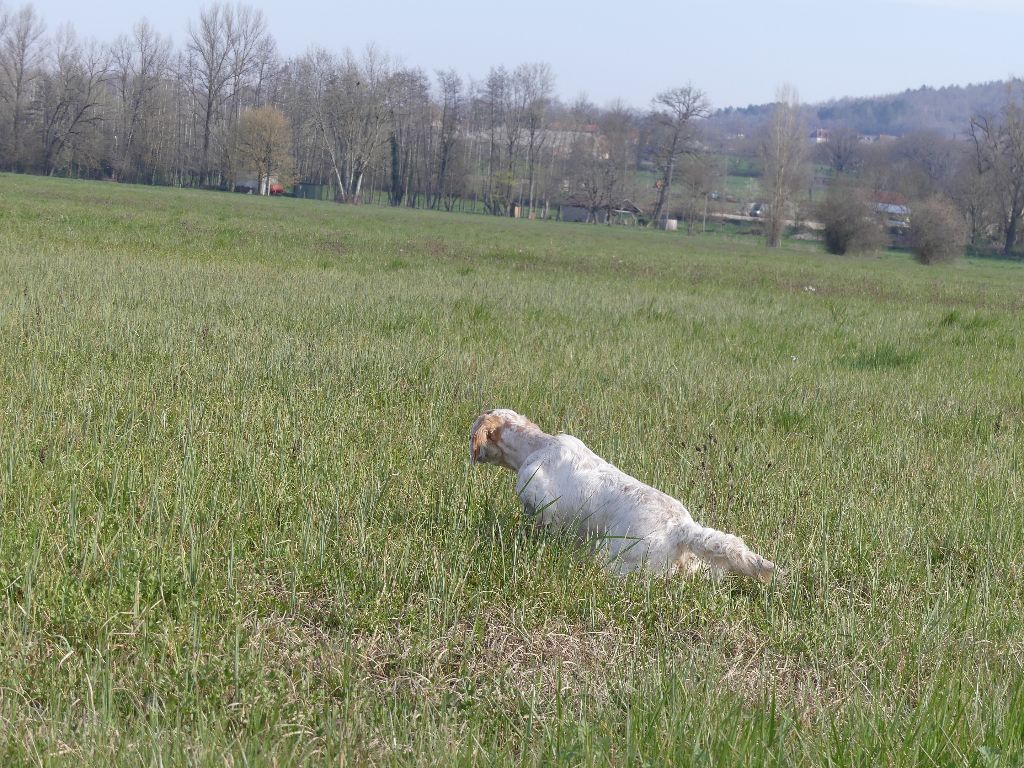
{"x": 238, "y": 524}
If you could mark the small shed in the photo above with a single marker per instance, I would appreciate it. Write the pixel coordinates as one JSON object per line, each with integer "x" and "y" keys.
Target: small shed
{"x": 627, "y": 213}
{"x": 310, "y": 191}
{"x": 582, "y": 214}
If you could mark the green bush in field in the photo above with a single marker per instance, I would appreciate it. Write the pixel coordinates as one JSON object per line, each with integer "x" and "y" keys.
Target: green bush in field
{"x": 938, "y": 233}
{"x": 851, "y": 224}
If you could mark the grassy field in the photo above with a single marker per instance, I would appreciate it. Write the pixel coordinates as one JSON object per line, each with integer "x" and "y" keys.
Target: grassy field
{"x": 239, "y": 525}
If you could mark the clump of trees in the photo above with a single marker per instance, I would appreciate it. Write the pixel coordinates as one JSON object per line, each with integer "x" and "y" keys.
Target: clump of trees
{"x": 998, "y": 142}
{"x": 263, "y": 141}
{"x": 978, "y": 167}
{"x": 219, "y": 107}
{"x": 364, "y": 127}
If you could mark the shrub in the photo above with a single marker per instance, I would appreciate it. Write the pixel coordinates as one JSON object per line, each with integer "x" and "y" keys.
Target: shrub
{"x": 850, "y": 221}
{"x": 937, "y": 231}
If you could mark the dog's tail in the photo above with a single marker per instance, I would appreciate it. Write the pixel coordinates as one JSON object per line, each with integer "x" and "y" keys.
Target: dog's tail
{"x": 723, "y": 551}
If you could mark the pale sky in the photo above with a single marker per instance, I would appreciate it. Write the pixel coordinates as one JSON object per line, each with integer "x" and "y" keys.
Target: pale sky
{"x": 738, "y": 51}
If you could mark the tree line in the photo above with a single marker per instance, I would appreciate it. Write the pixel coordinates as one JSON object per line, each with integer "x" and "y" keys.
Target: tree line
{"x": 969, "y": 184}
{"x": 226, "y": 106}
{"x": 973, "y": 179}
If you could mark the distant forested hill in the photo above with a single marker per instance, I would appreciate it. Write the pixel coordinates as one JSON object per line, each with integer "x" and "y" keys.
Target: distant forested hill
{"x": 945, "y": 110}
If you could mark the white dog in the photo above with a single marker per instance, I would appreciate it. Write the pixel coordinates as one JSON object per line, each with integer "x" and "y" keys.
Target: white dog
{"x": 568, "y": 486}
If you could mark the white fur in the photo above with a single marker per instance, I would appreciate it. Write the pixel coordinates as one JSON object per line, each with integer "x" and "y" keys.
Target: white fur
{"x": 567, "y": 486}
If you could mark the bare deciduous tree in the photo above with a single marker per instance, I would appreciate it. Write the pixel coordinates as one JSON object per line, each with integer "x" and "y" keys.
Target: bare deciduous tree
{"x": 784, "y": 151}
{"x": 248, "y": 44}
{"x": 674, "y": 114}
{"x": 70, "y": 95}
{"x": 928, "y": 163}
{"x": 537, "y": 82}
{"x": 491, "y": 100}
{"x": 349, "y": 101}
{"x": 223, "y": 49}
{"x": 209, "y": 52}
{"x": 408, "y": 96}
{"x": 21, "y": 56}
{"x": 842, "y": 151}
{"x": 139, "y": 64}
{"x": 999, "y": 153}
{"x": 452, "y": 107}
{"x": 975, "y": 200}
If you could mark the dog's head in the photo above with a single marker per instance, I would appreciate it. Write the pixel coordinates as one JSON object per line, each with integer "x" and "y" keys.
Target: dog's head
{"x": 487, "y": 438}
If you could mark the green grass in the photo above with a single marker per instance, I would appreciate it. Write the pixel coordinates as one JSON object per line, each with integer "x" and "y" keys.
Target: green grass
{"x": 239, "y": 524}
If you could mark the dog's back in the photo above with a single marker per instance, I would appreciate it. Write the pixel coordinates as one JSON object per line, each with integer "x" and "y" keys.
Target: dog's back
{"x": 567, "y": 486}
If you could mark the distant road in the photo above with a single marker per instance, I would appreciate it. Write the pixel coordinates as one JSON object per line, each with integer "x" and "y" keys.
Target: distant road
{"x": 817, "y": 225}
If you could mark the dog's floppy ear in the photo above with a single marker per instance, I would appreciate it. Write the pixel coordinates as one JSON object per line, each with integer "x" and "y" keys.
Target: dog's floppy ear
{"x": 487, "y": 429}
{"x": 476, "y": 440}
